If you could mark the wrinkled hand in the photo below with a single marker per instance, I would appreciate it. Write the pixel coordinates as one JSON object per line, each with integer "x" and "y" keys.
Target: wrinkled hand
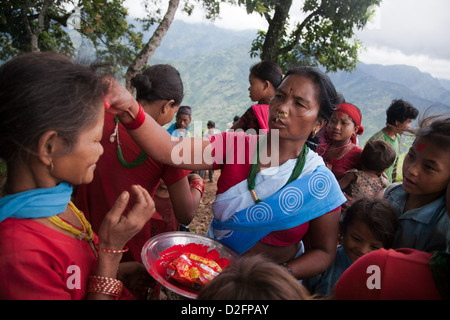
{"x": 193, "y": 176}
{"x": 117, "y": 229}
{"x": 118, "y": 100}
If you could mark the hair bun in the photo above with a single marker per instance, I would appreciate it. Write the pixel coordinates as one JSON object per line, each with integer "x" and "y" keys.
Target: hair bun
{"x": 142, "y": 83}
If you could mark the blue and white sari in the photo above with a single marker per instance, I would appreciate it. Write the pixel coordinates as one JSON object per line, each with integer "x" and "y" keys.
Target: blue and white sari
{"x": 240, "y": 223}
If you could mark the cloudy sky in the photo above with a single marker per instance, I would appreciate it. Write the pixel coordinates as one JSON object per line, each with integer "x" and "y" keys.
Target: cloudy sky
{"x": 412, "y": 32}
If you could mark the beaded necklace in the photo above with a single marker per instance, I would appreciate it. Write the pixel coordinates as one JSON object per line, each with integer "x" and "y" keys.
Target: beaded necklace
{"x": 86, "y": 234}
{"x": 299, "y": 164}
{"x": 140, "y": 158}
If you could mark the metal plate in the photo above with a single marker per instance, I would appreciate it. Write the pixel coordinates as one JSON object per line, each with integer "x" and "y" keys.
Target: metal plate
{"x": 151, "y": 254}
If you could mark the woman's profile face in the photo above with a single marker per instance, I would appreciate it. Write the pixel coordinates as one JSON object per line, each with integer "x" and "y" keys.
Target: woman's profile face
{"x": 297, "y": 99}
{"x": 77, "y": 167}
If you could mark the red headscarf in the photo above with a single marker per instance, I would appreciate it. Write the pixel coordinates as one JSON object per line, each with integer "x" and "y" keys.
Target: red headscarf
{"x": 353, "y": 113}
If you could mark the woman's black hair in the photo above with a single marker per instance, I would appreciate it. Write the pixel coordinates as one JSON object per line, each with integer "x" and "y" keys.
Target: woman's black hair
{"x": 44, "y": 91}
{"x": 268, "y": 71}
{"x": 159, "y": 82}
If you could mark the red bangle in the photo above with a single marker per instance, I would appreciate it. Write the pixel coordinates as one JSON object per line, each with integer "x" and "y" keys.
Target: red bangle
{"x": 105, "y": 285}
{"x": 199, "y": 185}
{"x": 125, "y": 249}
{"x": 136, "y": 123}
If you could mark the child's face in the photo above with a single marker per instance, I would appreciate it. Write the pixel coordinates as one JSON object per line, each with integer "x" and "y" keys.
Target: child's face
{"x": 358, "y": 240}
{"x": 341, "y": 127}
{"x": 425, "y": 169}
{"x": 257, "y": 89}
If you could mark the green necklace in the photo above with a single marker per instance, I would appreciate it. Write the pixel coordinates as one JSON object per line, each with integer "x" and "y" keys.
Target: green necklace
{"x": 137, "y": 162}
{"x": 299, "y": 164}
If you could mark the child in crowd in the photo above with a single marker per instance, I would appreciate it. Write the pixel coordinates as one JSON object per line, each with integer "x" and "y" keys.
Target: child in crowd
{"x": 420, "y": 199}
{"x": 254, "y": 277}
{"x": 264, "y": 78}
{"x": 399, "y": 116}
{"x": 340, "y": 152}
{"x": 368, "y": 225}
{"x": 370, "y": 181}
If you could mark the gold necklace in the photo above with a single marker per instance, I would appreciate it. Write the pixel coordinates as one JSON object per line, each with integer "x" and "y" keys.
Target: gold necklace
{"x": 86, "y": 234}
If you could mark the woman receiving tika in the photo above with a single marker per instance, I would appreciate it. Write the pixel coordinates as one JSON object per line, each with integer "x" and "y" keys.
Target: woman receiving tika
{"x": 272, "y": 189}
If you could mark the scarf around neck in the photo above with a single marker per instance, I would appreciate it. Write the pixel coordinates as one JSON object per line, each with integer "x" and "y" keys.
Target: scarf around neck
{"x": 36, "y": 203}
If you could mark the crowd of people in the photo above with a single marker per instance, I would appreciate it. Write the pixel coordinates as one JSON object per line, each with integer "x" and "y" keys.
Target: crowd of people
{"x": 92, "y": 174}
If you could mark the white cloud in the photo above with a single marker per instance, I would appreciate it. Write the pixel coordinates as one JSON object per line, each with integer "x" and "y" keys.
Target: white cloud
{"x": 438, "y": 68}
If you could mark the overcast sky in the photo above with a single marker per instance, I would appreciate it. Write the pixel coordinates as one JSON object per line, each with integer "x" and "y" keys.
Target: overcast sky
{"x": 412, "y": 32}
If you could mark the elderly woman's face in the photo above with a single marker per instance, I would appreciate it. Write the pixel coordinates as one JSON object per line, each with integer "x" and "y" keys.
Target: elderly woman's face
{"x": 295, "y": 108}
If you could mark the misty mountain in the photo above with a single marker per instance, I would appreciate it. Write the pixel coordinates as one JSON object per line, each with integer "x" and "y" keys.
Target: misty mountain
{"x": 214, "y": 64}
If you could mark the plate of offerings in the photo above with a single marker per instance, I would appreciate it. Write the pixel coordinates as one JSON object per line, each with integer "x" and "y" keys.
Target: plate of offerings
{"x": 185, "y": 262}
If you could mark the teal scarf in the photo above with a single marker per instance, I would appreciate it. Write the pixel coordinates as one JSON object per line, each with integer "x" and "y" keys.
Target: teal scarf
{"x": 36, "y": 203}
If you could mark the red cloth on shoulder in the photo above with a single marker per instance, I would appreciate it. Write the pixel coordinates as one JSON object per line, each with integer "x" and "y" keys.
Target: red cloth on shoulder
{"x": 37, "y": 262}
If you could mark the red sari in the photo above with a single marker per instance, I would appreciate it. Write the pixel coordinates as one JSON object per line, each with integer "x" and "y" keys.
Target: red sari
{"x": 342, "y": 161}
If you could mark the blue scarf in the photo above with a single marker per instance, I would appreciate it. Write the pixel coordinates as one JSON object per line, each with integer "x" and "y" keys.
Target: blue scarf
{"x": 300, "y": 201}
{"x": 36, "y": 203}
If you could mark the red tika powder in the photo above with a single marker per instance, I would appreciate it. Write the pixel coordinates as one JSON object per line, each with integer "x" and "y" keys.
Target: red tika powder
{"x": 192, "y": 265}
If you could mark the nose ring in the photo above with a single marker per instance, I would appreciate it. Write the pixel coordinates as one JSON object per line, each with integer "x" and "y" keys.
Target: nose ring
{"x": 281, "y": 115}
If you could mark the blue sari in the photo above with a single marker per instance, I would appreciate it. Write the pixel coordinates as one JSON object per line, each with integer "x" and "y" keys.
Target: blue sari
{"x": 312, "y": 195}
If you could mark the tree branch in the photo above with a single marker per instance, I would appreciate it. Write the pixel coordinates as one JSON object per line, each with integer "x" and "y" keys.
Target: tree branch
{"x": 149, "y": 49}
{"x": 298, "y": 31}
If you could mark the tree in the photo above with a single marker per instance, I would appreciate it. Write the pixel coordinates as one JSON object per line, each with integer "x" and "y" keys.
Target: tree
{"x": 212, "y": 10}
{"x": 44, "y": 25}
{"x": 33, "y": 25}
{"x": 324, "y": 37}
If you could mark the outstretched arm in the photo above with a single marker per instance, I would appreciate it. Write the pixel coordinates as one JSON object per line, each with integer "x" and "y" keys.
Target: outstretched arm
{"x": 186, "y": 153}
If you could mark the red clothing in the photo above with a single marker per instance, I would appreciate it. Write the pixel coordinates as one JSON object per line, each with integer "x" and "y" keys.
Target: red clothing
{"x": 111, "y": 179}
{"x": 256, "y": 117}
{"x": 340, "y": 165}
{"x": 35, "y": 262}
{"x": 234, "y": 158}
{"x": 404, "y": 275}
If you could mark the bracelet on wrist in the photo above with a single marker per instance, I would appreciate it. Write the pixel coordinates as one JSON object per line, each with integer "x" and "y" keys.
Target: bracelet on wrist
{"x": 125, "y": 249}
{"x": 199, "y": 185}
{"x": 136, "y": 123}
{"x": 105, "y": 285}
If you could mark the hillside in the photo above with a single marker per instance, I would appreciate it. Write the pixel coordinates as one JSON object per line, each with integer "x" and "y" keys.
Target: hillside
{"x": 214, "y": 64}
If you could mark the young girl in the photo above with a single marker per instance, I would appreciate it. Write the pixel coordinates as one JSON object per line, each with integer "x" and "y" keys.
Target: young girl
{"x": 370, "y": 181}
{"x": 159, "y": 90}
{"x": 420, "y": 199}
{"x": 270, "y": 192}
{"x": 341, "y": 153}
{"x": 264, "y": 78}
{"x": 368, "y": 225}
{"x": 51, "y": 121}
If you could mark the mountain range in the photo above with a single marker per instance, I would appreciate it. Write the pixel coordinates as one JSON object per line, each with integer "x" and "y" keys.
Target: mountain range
{"x": 214, "y": 64}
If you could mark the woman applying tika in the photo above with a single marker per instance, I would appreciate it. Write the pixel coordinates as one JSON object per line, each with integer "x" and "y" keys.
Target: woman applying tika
{"x": 262, "y": 207}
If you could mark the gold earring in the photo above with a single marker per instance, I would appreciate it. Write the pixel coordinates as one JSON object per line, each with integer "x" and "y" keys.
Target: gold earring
{"x": 52, "y": 167}
{"x": 314, "y": 133}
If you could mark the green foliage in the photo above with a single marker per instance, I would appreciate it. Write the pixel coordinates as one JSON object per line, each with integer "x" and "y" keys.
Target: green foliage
{"x": 324, "y": 38}
{"x": 101, "y": 22}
